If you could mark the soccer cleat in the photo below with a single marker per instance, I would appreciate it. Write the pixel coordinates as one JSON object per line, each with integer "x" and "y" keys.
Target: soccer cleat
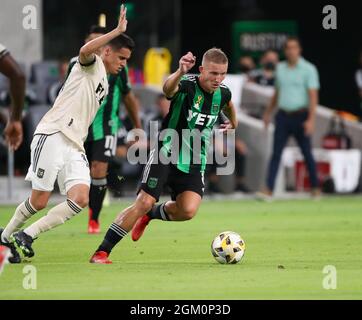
{"x": 140, "y": 227}
{"x": 15, "y": 256}
{"x": 23, "y": 242}
{"x": 100, "y": 257}
{"x": 93, "y": 227}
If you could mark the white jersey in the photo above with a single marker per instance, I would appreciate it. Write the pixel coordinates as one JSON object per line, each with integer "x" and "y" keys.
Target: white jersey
{"x": 77, "y": 103}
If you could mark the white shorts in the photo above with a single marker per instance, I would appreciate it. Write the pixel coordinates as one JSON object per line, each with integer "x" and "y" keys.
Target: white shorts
{"x": 55, "y": 157}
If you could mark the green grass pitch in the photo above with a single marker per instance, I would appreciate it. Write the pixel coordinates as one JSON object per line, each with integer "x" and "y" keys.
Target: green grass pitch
{"x": 288, "y": 243}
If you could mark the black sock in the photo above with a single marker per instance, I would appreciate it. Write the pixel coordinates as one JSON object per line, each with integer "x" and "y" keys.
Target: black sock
{"x": 96, "y": 196}
{"x": 114, "y": 235}
{"x": 159, "y": 212}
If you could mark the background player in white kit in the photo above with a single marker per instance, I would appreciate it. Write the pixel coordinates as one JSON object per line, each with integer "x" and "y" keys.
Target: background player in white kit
{"x": 57, "y": 151}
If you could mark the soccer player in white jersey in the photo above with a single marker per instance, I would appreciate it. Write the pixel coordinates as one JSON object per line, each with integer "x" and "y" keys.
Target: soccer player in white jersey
{"x": 57, "y": 151}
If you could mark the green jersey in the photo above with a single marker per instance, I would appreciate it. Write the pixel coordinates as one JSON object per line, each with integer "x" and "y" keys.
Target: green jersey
{"x": 106, "y": 121}
{"x": 193, "y": 108}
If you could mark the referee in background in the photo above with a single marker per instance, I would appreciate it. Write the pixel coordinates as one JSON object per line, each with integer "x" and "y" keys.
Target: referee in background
{"x": 296, "y": 96}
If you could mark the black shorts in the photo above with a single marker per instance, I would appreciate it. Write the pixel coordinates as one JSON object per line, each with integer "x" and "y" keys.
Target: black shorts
{"x": 157, "y": 176}
{"x": 101, "y": 150}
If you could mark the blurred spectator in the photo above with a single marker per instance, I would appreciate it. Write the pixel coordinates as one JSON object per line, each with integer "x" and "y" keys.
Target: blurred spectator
{"x": 55, "y": 88}
{"x": 265, "y": 75}
{"x": 296, "y": 96}
{"x": 359, "y": 82}
{"x": 246, "y": 64}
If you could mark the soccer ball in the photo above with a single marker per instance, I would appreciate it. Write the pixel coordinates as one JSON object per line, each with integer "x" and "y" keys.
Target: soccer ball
{"x": 228, "y": 247}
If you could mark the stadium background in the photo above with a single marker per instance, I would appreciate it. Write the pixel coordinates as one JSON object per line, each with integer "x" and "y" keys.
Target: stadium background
{"x": 181, "y": 25}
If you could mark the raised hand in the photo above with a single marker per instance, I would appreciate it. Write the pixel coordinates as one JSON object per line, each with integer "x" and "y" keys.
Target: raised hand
{"x": 122, "y": 23}
{"x": 187, "y": 62}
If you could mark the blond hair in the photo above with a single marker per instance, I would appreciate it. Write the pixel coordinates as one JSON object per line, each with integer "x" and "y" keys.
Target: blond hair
{"x": 215, "y": 55}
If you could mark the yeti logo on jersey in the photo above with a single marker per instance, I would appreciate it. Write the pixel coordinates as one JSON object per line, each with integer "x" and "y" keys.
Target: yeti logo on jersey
{"x": 40, "y": 173}
{"x": 152, "y": 182}
{"x": 202, "y": 119}
{"x": 100, "y": 93}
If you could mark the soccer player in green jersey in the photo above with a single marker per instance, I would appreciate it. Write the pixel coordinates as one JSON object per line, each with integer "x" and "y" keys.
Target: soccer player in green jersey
{"x": 196, "y": 103}
{"x": 101, "y": 142}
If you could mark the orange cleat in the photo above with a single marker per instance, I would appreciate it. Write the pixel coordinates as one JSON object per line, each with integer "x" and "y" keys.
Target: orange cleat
{"x": 140, "y": 227}
{"x": 100, "y": 257}
{"x": 93, "y": 227}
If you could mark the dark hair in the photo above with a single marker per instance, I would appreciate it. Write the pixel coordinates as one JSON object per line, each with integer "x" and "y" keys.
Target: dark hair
{"x": 122, "y": 41}
{"x": 97, "y": 29}
{"x": 292, "y": 38}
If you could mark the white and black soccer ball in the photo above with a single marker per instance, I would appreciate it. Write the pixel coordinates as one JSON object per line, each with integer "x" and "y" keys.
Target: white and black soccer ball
{"x": 228, "y": 247}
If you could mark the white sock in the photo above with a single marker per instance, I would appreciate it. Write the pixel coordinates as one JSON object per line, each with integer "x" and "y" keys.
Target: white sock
{"x": 55, "y": 217}
{"x": 22, "y": 213}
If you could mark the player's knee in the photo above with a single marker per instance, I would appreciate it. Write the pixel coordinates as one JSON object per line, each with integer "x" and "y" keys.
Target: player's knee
{"x": 144, "y": 204}
{"x": 39, "y": 201}
{"x": 189, "y": 211}
{"x": 39, "y": 204}
{"x": 81, "y": 200}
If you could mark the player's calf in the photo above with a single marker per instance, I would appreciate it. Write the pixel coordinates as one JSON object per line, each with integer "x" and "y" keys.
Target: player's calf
{"x": 123, "y": 223}
{"x": 157, "y": 212}
{"x": 39, "y": 199}
{"x": 56, "y": 216}
{"x": 23, "y": 213}
{"x": 81, "y": 199}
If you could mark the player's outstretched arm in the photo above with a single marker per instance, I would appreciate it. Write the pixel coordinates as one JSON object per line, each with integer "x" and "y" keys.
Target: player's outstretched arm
{"x": 186, "y": 63}
{"x": 87, "y": 52}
